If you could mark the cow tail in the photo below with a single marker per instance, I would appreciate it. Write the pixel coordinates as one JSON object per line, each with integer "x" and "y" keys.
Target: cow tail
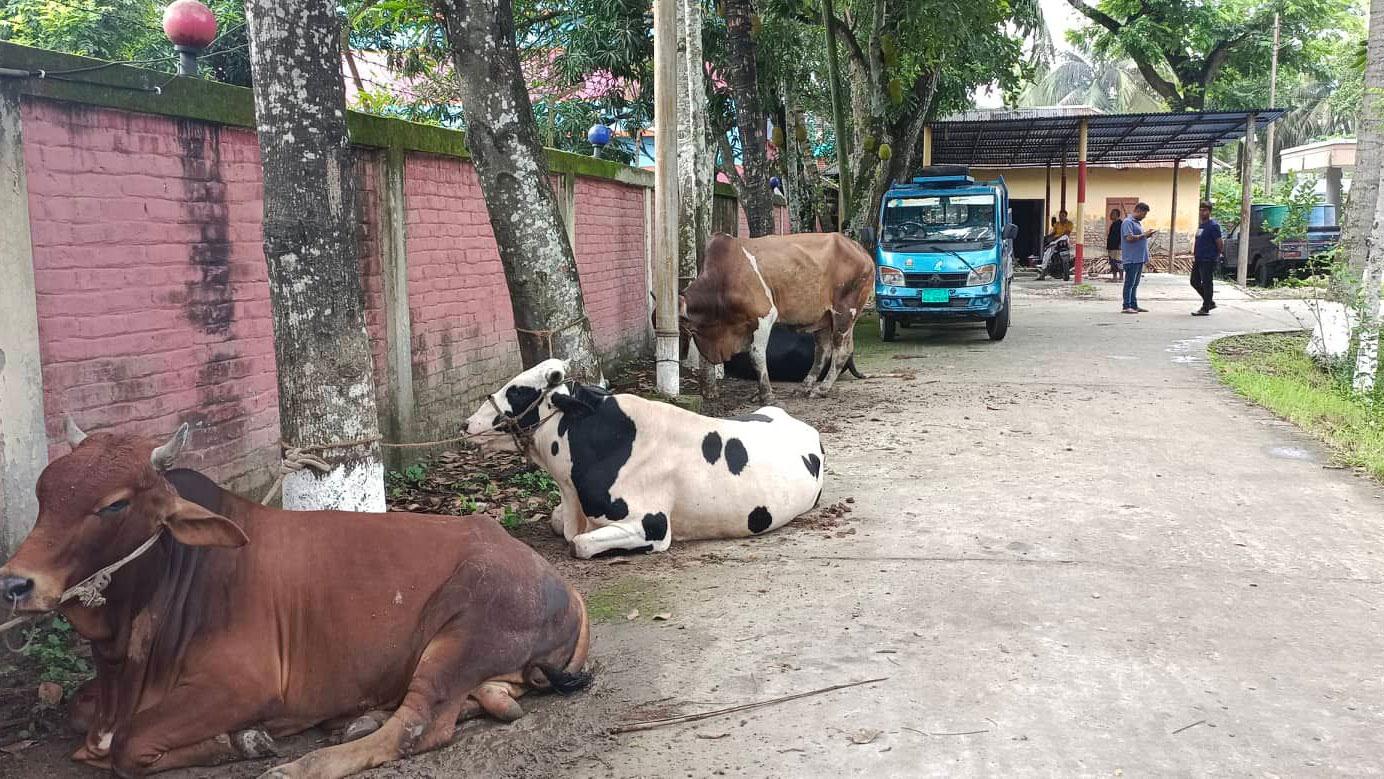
{"x": 850, "y": 366}
{"x": 572, "y": 678}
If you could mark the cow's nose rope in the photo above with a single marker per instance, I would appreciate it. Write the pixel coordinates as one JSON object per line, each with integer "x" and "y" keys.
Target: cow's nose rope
{"x": 90, "y": 591}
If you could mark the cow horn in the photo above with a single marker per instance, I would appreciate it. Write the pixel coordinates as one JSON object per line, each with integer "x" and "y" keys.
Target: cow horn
{"x": 75, "y": 435}
{"x": 163, "y": 457}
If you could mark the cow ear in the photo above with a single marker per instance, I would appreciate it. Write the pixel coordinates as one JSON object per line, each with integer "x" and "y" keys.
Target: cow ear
{"x": 572, "y": 406}
{"x": 193, "y": 525}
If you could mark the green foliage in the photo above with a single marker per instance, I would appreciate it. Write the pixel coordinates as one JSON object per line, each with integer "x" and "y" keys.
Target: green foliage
{"x": 53, "y": 646}
{"x": 1273, "y": 370}
{"x": 536, "y": 482}
{"x": 124, "y": 31}
{"x": 1298, "y": 193}
{"x": 510, "y": 519}
{"x": 1194, "y": 53}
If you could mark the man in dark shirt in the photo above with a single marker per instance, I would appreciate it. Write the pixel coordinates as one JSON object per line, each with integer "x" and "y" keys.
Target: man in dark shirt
{"x": 1206, "y": 254}
{"x": 1112, "y": 245}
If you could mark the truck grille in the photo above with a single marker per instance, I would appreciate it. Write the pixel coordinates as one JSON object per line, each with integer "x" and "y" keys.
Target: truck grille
{"x": 935, "y": 280}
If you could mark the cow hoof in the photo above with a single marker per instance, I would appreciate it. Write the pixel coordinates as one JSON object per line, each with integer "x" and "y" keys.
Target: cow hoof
{"x": 253, "y": 744}
{"x": 498, "y": 703}
{"x": 360, "y": 727}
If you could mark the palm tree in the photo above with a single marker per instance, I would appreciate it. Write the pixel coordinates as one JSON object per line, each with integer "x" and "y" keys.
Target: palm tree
{"x": 1111, "y": 87}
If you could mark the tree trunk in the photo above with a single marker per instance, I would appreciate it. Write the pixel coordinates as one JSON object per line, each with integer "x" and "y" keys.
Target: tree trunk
{"x": 1369, "y": 148}
{"x": 541, "y": 271}
{"x": 749, "y": 119}
{"x": 325, "y": 373}
{"x": 1372, "y": 268}
{"x": 1367, "y": 353}
{"x": 905, "y": 137}
{"x": 695, "y": 173}
{"x": 802, "y": 211}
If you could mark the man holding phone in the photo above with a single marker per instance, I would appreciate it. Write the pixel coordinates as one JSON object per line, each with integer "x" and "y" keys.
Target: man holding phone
{"x": 1134, "y": 256}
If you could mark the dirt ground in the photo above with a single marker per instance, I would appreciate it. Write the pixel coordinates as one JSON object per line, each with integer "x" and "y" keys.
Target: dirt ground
{"x": 1071, "y": 553}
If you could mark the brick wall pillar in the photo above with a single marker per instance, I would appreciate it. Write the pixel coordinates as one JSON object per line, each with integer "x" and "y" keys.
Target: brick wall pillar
{"x": 397, "y": 412}
{"x": 23, "y": 440}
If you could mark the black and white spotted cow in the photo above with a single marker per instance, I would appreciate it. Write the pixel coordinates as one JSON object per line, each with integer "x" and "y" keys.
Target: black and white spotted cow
{"x": 634, "y": 473}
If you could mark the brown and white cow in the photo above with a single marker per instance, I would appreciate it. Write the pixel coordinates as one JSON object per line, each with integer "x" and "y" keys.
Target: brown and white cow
{"x": 812, "y": 282}
{"x": 242, "y": 622}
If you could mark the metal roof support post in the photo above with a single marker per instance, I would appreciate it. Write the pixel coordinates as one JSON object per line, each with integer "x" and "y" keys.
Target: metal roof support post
{"x": 1246, "y": 198}
{"x": 1210, "y": 170}
{"x": 1080, "y": 225}
{"x": 1172, "y": 218}
{"x": 927, "y": 145}
{"x": 1047, "y": 196}
{"x": 1062, "y": 200}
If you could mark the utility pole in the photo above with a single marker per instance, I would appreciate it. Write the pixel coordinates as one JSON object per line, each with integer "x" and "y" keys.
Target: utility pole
{"x": 1246, "y": 203}
{"x": 666, "y": 203}
{"x": 1270, "y": 164}
{"x": 838, "y": 118}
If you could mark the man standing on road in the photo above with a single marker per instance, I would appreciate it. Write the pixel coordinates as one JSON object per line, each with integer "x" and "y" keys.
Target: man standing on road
{"x": 1112, "y": 245}
{"x": 1209, "y": 248}
{"x": 1134, "y": 255}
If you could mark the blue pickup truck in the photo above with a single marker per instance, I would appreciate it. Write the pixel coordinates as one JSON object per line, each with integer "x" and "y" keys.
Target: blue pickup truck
{"x": 944, "y": 253}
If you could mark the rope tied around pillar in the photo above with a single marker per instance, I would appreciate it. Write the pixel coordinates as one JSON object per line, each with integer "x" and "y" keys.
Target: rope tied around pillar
{"x": 547, "y": 335}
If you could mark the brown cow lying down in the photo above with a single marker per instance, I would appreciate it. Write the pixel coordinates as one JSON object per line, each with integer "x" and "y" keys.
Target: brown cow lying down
{"x": 244, "y": 622}
{"x": 812, "y": 282}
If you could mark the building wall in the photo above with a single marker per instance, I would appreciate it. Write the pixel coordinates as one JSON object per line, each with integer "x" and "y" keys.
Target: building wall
{"x": 1153, "y": 185}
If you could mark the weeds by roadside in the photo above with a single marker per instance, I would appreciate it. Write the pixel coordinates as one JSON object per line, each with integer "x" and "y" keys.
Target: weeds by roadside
{"x": 501, "y": 485}
{"x": 1273, "y": 370}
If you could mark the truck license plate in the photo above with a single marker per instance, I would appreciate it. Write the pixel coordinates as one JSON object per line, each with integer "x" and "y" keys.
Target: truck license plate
{"x": 936, "y": 296}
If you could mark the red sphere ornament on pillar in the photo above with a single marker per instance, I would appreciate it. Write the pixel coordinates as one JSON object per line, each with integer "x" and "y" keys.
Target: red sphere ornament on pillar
{"x": 191, "y": 27}
{"x": 189, "y": 23}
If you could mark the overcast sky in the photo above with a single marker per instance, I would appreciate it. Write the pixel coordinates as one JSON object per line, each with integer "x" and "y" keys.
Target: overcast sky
{"x": 1060, "y": 17}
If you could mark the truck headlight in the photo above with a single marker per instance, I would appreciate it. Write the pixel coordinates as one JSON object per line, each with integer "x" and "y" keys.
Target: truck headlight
{"x": 890, "y": 277}
{"x": 982, "y": 275}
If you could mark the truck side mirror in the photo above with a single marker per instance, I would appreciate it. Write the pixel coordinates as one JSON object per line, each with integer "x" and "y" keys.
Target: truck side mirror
{"x": 867, "y": 237}
{"x": 1011, "y": 231}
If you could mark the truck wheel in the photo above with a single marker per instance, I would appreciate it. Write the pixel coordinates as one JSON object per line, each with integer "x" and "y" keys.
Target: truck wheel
{"x": 997, "y": 326}
{"x": 887, "y": 325}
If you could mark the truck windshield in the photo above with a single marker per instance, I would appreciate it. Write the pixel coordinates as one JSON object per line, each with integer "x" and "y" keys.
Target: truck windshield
{"x": 939, "y": 219}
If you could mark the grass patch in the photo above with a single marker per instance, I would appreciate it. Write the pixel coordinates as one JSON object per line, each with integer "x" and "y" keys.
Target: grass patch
{"x": 1084, "y": 290}
{"x": 1274, "y": 371}
{"x": 615, "y": 600}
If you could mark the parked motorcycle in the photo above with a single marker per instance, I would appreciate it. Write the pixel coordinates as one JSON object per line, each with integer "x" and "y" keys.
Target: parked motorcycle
{"x": 1057, "y": 259}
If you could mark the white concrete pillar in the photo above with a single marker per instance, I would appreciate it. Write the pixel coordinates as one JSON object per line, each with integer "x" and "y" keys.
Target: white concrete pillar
{"x": 23, "y": 441}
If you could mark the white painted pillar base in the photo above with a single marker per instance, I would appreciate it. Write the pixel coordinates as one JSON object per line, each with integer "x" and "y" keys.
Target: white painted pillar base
{"x": 355, "y": 487}
{"x": 668, "y": 376}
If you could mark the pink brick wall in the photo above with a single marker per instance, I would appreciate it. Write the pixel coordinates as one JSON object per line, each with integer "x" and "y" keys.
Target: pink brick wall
{"x": 463, "y": 327}
{"x": 610, "y": 258}
{"x": 153, "y": 298}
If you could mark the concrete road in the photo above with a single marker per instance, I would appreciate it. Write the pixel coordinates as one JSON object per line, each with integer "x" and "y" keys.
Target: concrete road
{"x": 1072, "y": 553}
